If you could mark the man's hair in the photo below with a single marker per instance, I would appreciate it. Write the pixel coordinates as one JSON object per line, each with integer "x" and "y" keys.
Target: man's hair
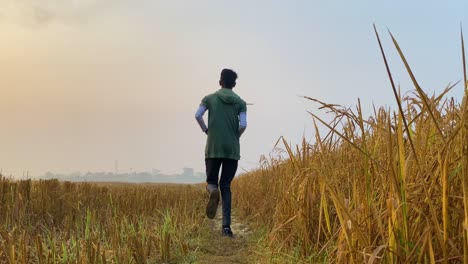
{"x": 228, "y": 78}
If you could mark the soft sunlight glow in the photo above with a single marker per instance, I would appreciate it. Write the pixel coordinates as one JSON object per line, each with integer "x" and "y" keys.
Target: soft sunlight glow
{"x": 85, "y": 83}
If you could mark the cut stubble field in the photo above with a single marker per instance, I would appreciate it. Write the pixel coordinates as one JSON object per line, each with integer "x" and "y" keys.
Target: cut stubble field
{"x": 49, "y": 221}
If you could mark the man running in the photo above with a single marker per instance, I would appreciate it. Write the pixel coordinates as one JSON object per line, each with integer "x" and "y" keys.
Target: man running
{"x": 227, "y": 120}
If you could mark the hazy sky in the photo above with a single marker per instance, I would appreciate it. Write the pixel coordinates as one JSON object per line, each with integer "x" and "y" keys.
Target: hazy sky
{"x": 86, "y": 82}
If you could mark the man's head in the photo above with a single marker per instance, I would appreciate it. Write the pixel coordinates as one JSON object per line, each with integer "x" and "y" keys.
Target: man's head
{"x": 228, "y": 78}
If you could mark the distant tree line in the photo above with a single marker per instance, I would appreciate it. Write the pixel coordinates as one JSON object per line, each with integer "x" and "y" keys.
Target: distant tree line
{"x": 188, "y": 175}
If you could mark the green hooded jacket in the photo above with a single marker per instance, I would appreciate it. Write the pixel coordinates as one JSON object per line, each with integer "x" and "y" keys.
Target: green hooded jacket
{"x": 224, "y": 107}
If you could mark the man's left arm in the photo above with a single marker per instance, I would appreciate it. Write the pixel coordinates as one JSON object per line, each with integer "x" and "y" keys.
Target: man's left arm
{"x": 242, "y": 122}
{"x": 242, "y": 118}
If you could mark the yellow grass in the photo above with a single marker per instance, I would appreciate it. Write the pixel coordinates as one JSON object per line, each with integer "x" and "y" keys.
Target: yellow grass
{"x": 62, "y": 222}
{"x": 391, "y": 188}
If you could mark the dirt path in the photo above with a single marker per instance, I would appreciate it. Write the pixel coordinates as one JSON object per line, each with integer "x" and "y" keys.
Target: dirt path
{"x": 216, "y": 248}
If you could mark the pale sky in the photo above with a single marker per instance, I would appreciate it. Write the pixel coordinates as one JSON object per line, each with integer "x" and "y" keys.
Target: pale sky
{"x": 86, "y": 82}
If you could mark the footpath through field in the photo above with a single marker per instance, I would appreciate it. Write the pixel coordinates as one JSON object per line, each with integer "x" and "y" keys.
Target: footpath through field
{"x": 215, "y": 248}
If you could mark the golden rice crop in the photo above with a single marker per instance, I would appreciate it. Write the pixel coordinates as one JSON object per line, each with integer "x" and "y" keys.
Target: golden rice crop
{"x": 48, "y": 221}
{"x": 391, "y": 188}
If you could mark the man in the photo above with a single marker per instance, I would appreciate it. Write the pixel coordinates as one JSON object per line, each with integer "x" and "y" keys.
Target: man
{"x": 227, "y": 120}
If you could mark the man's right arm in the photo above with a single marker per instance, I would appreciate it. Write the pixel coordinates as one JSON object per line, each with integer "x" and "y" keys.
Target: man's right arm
{"x": 199, "y": 117}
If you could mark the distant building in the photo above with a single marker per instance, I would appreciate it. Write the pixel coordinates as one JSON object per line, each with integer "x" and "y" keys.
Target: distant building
{"x": 188, "y": 172}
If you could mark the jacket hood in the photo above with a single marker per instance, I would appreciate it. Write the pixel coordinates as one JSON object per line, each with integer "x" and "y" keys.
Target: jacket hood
{"x": 227, "y": 96}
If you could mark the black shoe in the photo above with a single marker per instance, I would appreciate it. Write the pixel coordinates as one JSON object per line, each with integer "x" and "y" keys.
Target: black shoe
{"x": 212, "y": 205}
{"x": 228, "y": 232}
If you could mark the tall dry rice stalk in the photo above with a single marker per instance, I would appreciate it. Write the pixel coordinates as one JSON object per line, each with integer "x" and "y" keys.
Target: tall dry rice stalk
{"x": 391, "y": 188}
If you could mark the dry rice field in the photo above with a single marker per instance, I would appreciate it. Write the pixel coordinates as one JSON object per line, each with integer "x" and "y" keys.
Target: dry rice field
{"x": 389, "y": 188}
